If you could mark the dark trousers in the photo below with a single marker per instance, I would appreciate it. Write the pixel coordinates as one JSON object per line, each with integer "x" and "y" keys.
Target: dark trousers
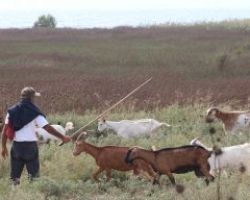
{"x": 24, "y": 154}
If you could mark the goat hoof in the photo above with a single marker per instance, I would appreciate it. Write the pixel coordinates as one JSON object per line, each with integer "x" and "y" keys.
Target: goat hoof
{"x": 156, "y": 182}
{"x": 96, "y": 180}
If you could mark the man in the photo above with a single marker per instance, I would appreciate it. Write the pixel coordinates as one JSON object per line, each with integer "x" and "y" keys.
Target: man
{"x": 24, "y": 118}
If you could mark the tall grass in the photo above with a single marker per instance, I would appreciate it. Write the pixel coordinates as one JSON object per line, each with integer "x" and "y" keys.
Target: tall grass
{"x": 66, "y": 177}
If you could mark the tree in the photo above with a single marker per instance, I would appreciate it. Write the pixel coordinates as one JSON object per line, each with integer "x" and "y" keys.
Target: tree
{"x": 47, "y": 21}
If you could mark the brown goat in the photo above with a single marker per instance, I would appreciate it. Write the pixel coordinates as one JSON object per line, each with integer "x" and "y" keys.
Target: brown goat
{"x": 174, "y": 160}
{"x": 233, "y": 121}
{"x": 110, "y": 158}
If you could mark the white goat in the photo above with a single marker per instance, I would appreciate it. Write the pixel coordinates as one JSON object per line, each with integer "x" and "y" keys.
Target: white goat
{"x": 46, "y": 137}
{"x": 232, "y": 158}
{"x": 129, "y": 128}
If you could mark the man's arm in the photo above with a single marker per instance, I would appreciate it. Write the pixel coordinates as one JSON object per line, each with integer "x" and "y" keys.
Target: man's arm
{"x": 4, "y": 142}
{"x": 54, "y": 132}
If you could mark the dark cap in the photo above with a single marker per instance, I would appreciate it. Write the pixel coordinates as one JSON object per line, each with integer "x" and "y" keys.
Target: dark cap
{"x": 29, "y": 92}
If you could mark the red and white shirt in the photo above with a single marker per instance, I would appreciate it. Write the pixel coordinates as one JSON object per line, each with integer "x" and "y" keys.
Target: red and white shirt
{"x": 28, "y": 132}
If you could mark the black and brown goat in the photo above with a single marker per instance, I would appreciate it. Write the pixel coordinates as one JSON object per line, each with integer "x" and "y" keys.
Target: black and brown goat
{"x": 177, "y": 160}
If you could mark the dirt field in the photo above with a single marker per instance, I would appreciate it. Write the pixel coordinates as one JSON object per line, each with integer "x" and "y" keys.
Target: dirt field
{"x": 79, "y": 70}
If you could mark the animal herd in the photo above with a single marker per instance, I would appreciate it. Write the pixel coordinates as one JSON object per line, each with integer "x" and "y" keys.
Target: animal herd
{"x": 196, "y": 157}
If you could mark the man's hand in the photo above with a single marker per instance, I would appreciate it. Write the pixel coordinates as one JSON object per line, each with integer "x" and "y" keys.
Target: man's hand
{"x": 66, "y": 139}
{"x": 4, "y": 152}
{"x": 52, "y": 131}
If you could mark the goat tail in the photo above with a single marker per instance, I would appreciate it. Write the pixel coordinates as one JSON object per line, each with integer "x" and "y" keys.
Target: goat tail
{"x": 197, "y": 142}
{"x": 166, "y": 124}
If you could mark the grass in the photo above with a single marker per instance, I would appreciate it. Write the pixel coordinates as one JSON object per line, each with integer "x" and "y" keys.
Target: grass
{"x": 66, "y": 177}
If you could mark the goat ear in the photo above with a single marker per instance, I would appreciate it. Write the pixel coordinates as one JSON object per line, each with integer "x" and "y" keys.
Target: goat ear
{"x": 101, "y": 119}
{"x": 215, "y": 110}
{"x": 104, "y": 118}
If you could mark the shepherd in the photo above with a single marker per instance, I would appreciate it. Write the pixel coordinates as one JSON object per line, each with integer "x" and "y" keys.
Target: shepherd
{"x": 20, "y": 126}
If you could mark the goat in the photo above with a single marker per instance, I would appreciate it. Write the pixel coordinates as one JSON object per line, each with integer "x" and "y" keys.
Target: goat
{"x": 46, "y": 137}
{"x": 110, "y": 158}
{"x": 231, "y": 158}
{"x": 129, "y": 128}
{"x": 233, "y": 121}
{"x": 174, "y": 160}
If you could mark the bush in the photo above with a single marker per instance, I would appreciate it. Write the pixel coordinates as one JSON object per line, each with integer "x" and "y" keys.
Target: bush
{"x": 47, "y": 21}
{"x": 49, "y": 187}
{"x": 222, "y": 59}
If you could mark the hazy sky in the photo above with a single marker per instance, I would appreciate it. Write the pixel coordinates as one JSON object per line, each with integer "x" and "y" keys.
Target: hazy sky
{"x": 121, "y": 5}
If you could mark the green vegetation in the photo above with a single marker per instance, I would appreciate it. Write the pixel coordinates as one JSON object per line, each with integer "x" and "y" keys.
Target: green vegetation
{"x": 66, "y": 177}
{"x": 45, "y": 21}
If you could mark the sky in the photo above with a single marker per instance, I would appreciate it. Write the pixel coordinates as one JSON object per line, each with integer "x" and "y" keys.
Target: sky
{"x": 85, "y": 13}
{"x": 20, "y": 5}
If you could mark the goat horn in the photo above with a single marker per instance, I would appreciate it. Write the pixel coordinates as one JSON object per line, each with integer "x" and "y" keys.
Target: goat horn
{"x": 110, "y": 108}
{"x": 80, "y": 135}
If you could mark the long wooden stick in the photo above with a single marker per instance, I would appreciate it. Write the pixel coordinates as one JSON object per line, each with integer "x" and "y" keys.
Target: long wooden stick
{"x": 110, "y": 108}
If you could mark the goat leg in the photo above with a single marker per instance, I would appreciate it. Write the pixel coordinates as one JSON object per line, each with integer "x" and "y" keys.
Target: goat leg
{"x": 153, "y": 174}
{"x": 136, "y": 171}
{"x": 96, "y": 173}
{"x": 156, "y": 179}
{"x": 108, "y": 174}
{"x": 171, "y": 177}
{"x": 205, "y": 170}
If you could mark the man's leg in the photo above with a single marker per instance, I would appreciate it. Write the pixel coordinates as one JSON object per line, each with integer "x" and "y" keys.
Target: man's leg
{"x": 32, "y": 163}
{"x": 16, "y": 164}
